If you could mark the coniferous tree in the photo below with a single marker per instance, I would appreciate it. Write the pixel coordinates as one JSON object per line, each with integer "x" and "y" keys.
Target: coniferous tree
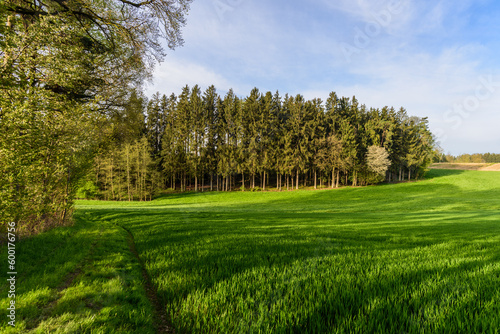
{"x": 250, "y": 140}
{"x": 210, "y": 155}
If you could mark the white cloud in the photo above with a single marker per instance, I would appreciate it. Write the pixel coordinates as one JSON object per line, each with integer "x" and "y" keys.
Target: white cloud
{"x": 174, "y": 74}
{"x": 262, "y": 44}
{"x": 427, "y": 86}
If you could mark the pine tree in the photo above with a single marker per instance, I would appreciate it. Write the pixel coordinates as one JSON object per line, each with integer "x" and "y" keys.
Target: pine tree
{"x": 211, "y": 112}
{"x": 196, "y": 133}
{"x": 170, "y": 144}
{"x": 183, "y": 128}
{"x": 155, "y": 123}
{"x": 252, "y": 131}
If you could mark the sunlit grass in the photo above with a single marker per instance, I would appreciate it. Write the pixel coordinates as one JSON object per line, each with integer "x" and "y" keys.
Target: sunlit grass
{"x": 396, "y": 258}
{"x": 79, "y": 279}
{"x": 414, "y": 257}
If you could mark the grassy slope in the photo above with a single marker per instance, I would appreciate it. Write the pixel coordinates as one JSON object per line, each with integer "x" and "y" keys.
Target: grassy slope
{"x": 401, "y": 258}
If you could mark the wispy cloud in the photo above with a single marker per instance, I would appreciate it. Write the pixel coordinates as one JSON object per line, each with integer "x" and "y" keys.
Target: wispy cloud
{"x": 171, "y": 76}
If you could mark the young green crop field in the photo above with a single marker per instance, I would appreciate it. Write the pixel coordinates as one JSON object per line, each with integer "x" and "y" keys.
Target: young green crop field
{"x": 416, "y": 257}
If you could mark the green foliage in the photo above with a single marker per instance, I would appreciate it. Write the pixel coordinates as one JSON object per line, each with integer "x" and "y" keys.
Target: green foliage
{"x": 65, "y": 72}
{"x": 82, "y": 278}
{"x": 128, "y": 172}
{"x": 230, "y": 142}
{"x": 88, "y": 190}
{"x": 472, "y": 158}
{"x": 48, "y": 129}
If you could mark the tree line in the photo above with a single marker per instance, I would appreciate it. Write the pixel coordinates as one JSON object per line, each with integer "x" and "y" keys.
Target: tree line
{"x": 203, "y": 141}
{"x": 470, "y": 158}
{"x": 73, "y": 120}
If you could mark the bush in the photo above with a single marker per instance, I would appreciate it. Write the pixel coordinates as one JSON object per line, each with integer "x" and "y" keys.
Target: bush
{"x": 87, "y": 191}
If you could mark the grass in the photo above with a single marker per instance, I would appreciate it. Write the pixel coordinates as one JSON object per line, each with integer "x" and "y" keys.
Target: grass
{"x": 79, "y": 279}
{"x": 404, "y": 258}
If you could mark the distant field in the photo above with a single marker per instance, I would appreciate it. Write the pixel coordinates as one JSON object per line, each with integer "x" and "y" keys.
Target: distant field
{"x": 467, "y": 166}
{"x": 495, "y": 167}
{"x": 416, "y": 257}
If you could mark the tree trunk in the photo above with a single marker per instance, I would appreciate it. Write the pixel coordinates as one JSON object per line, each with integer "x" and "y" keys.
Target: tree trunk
{"x": 264, "y": 181}
{"x": 128, "y": 179}
{"x": 315, "y": 179}
{"x": 333, "y": 177}
{"x": 243, "y": 181}
{"x": 338, "y": 178}
{"x": 112, "y": 182}
{"x": 297, "y": 181}
{"x": 63, "y": 218}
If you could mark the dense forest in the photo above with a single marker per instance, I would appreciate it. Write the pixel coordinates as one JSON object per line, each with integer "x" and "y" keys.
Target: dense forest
{"x": 201, "y": 141}
{"x": 74, "y": 123}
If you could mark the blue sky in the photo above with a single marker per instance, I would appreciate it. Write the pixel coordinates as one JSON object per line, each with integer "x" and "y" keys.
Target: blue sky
{"x": 439, "y": 59}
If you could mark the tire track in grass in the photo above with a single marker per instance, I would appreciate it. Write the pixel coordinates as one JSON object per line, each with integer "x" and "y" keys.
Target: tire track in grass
{"x": 160, "y": 317}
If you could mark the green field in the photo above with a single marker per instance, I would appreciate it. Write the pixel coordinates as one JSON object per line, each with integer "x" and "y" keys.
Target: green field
{"x": 415, "y": 257}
